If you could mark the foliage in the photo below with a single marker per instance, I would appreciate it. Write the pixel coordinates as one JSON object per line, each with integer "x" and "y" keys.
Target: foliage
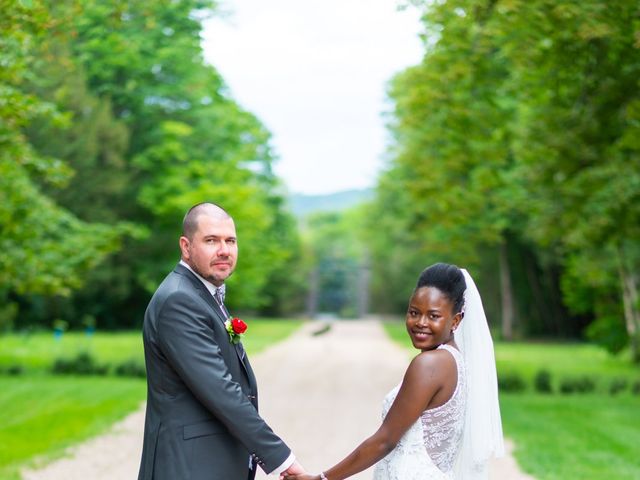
{"x": 131, "y": 368}
{"x": 115, "y": 119}
{"x": 542, "y": 382}
{"x": 618, "y": 385}
{"x": 82, "y": 364}
{"x": 577, "y": 385}
{"x": 520, "y": 125}
{"x": 189, "y": 141}
{"x": 511, "y": 382}
{"x": 338, "y": 259}
{"x": 12, "y": 370}
{"x": 607, "y": 330}
{"x": 44, "y": 248}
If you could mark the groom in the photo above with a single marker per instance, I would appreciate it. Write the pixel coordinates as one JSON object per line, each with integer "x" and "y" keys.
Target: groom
{"x": 202, "y": 420}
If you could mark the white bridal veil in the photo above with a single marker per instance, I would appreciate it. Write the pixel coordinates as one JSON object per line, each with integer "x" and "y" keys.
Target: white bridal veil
{"x": 482, "y": 434}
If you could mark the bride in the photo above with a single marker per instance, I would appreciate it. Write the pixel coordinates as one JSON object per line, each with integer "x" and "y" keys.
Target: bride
{"x": 443, "y": 420}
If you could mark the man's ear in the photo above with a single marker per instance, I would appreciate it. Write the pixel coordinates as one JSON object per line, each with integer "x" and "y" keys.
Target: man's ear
{"x": 184, "y": 247}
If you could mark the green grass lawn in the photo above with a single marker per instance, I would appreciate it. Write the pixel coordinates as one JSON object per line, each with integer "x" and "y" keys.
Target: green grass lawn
{"x": 42, "y": 414}
{"x": 36, "y": 352}
{"x": 577, "y": 436}
{"x": 593, "y": 436}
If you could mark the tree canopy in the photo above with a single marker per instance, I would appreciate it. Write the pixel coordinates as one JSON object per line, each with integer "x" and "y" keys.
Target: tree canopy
{"x": 115, "y": 126}
{"x": 518, "y": 133}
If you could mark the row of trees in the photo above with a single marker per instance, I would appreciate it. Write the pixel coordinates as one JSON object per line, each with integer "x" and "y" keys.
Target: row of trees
{"x": 112, "y": 125}
{"x": 517, "y": 153}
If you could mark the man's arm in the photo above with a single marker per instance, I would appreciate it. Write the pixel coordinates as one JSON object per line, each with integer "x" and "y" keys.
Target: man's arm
{"x": 187, "y": 339}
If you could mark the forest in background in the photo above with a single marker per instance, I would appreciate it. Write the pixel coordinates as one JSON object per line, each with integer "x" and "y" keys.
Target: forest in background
{"x": 112, "y": 127}
{"x": 515, "y": 153}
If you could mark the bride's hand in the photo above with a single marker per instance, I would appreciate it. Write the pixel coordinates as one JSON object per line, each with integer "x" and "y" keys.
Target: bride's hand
{"x": 302, "y": 476}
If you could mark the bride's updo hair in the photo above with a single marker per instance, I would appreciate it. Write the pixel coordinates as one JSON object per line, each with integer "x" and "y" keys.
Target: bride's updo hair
{"x": 449, "y": 279}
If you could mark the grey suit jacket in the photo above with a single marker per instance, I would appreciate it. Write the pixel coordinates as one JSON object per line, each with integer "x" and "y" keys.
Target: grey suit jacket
{"x": 202, "y": 420}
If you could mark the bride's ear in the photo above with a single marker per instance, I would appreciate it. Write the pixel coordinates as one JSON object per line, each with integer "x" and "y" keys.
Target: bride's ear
{"x": 456, "y": 320}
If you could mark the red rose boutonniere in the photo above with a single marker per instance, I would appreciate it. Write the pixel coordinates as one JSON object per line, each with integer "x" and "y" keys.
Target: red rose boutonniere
{"x": 236, "y": 328}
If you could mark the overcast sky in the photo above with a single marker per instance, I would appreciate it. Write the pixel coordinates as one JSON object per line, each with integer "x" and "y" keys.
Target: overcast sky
{"x": 315, "y": 72}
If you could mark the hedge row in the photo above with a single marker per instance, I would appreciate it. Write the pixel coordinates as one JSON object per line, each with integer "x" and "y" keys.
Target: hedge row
{"x": 542, "y": 383}
{"x": 85, "y": 364}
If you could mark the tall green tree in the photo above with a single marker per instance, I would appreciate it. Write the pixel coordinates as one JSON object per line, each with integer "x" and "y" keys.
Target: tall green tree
{"x": 452, "y": 144}
{"x": 158, "y": 132}
{"x": 517, "y": 133}
{"x": 578, "y": 149}
{"x": 44, "y": 247}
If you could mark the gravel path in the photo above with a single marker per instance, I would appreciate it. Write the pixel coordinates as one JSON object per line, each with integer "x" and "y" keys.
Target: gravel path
{"x": 321, "y": 393}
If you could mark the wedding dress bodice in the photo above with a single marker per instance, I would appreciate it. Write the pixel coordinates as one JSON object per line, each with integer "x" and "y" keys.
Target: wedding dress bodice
{"x": 427, "y": 451}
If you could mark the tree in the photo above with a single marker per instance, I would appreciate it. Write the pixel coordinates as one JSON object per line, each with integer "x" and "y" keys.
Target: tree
{"x": 578, "y": 152}
{"x": 519, "y": 128}
{"x": 186, "y": 141}
{"x": 44, "y": 247}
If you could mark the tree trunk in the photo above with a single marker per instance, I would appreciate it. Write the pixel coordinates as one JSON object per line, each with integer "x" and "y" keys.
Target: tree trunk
{"x": 506, "y": 293}
{"x": 534, "y": 284}
{"x": 364, "y": 274}
{"x": 312, "y": 296}
{"x": 629, "y": 283}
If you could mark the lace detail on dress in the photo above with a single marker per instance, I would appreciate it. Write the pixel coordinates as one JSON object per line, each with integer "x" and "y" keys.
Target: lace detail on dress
{"x": 427, "y": 450}
{"x": 442, "y": 426}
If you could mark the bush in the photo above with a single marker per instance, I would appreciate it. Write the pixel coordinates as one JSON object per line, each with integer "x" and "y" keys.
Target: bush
{"x": 511, "y": 382}
{"x": 131, "y": 368}
{"x": 12, "y": 370}
{"x": 542, "y": 382}
{"x": 608, "y": 332}
{"x": 618, "y": 385}
{"x": 577, "y": 385}
{"x": 81, "y": 364}
{"x": 636, "y": 387}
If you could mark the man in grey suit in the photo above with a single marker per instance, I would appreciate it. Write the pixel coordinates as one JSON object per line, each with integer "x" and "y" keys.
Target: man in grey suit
{"x": 202, "y": 420}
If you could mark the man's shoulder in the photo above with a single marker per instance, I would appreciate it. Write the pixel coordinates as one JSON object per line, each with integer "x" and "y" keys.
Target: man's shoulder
{"x": 177, "y": 281}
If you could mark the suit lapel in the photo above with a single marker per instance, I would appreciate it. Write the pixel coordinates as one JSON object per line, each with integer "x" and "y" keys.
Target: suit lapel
{"x": 217, "y": 312}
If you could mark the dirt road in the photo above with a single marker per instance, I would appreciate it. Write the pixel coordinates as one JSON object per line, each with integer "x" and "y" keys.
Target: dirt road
{"x": 321, "y": 393}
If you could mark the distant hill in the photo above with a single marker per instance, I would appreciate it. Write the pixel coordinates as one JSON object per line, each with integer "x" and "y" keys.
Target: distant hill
{"x": 302, "y": 205}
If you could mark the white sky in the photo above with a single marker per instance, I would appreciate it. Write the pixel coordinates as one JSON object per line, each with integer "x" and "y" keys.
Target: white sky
{"x": 315, "y": 72}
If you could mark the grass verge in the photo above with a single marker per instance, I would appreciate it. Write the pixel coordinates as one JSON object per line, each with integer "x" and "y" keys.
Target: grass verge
{"x": 41, "y": 415}
{"x": 592, "y": 436}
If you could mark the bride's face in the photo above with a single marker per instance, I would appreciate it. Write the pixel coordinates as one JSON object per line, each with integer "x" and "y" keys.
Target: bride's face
{"x": 430, "y": 318}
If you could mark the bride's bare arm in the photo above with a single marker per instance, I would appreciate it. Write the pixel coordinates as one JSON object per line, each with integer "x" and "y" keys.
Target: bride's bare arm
{"x": 424, "y": 377}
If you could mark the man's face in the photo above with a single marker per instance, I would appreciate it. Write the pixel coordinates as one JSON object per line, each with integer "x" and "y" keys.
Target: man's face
{"x": 213, "y": 250}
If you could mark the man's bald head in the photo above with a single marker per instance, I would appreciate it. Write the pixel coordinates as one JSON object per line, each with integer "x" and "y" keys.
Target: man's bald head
{"x": 190, "y": 222}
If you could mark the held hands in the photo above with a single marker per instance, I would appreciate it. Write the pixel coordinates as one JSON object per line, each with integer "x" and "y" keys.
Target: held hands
{"x": 303, "y": 476}
{"x": 293, "y": 471}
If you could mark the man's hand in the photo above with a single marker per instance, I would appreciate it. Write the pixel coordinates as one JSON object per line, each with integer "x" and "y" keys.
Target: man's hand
{"x": 294, "y": 469}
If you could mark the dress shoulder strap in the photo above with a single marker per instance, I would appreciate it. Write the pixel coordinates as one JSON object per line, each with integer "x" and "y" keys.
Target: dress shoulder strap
{"x": 457, "y": 355}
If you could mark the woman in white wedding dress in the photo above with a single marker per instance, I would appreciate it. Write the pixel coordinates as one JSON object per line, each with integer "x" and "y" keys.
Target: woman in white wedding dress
{"x": 442, "y": 422}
